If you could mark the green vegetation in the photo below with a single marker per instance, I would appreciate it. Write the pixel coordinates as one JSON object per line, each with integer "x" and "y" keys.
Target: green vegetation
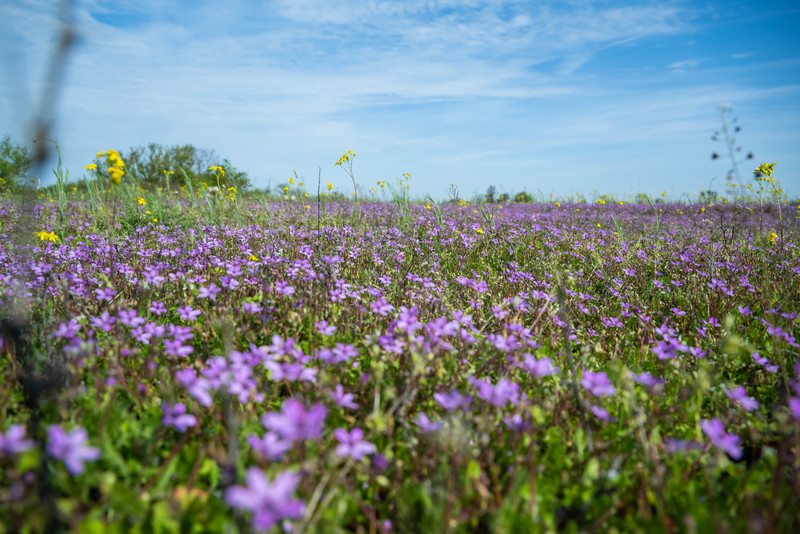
{"x": 191, "y": 357}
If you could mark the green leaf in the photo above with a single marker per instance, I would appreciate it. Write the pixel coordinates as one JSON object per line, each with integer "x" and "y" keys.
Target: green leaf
{"x": 126, "y": 501}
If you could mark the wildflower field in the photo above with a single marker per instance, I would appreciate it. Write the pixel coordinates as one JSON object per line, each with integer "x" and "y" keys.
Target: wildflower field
{"x": 212, "y": 362}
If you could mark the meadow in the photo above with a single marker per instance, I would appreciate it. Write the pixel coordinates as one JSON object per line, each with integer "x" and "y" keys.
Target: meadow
{"x": 184, "y": 360}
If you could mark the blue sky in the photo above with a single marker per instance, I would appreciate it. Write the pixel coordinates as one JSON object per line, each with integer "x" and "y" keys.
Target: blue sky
{"x": 552, "y": 96}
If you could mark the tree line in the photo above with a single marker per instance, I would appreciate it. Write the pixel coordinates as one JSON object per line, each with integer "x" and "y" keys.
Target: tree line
{"x": 152, "y": 166}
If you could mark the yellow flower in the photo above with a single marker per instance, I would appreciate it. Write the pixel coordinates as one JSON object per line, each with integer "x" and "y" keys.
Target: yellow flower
{"x": 169, "y": 172}
{"x": 347, "y": 156}
{"x": 765, "y": 169}
{"x": 479, "y": 231}
{"x": 330, "y": 186}
{"x": 47, "y": 236}
{"x": 116, "y": 174}
{"x": 772, "y": 238}
{"x": 141, "y": 201}
{"x": 91, "y": 167}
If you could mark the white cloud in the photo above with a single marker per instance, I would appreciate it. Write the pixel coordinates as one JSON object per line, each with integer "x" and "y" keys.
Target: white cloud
{"x": 680, "y": 66}
{"x": 444, "y": 86}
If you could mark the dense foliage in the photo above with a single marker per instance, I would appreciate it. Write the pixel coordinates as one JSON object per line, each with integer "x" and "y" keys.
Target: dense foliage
{"x": 194, "y": 361}
{"x": 15, "y": 162}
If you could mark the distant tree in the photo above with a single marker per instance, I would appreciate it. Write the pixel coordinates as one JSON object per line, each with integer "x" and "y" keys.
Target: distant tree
{"x": 707, "y": 196}
{"x": 15, "y": 162}
{"x": 151, "y": 164}
{"x": 505, "y": 197}
{"x": 491, "y": 193}
{"x": 522, "y": 197}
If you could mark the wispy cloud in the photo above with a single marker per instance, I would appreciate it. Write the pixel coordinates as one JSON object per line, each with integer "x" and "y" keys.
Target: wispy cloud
{"x": 681, "y": 66}
{"x": 444, "y": 86}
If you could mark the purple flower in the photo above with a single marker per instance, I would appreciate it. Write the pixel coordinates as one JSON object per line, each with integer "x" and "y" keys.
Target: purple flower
{"x": 104, "y": 321}
{"x": 351, "y": 444}
{"x": 325, "y": 329}
{"x": 188, "y": 314}
{"x": 291, "y": 372}
{"x": 452, "y": 400}
{"x": 646, "y": 379}
{"x": 176, "y": 348}
{"x": 715, "y": 431}
{"x": 506, "y": 344}
{"x": 345, "y": 400}
{"x": 381, "y": 307}
{"x": 176, "y": 417}
{"x": 294, "y": 422}
{"x": 426, "y": 425}
{"x": 597, "y": 384}
{"x": 760, "y": 360}
{"x": 666, "y": 331}
{"x": 739, "y": 394}
{"x": 612, "y": 322}
{"x": 106, "y": 294}
{"x": 538, "y": 368}
{"x": 209, "y": 292}
{"x": 679, "y": 445}
{"x": 697, "y": 352}
{"x": 516, "y": 422}
{"x": 130, "y": 318}
{"x": 669, "y": 348}
{"x": 283, "y": 288}
{"x": 141, "y": 335}
{"x": 14, "y": 441}
{"x": 158, "y": 308}
{"x": 480, "y": 286}
{"x": 498, "y": 395}
{"x": 151, "y": 276}
{"x": 197, "y": 386}
{"x": 497, "y": 311}
{"x": 271, "y": 446}
{"x": 70, "y": 448}
{"x": 601, "y": 413}
{"x": 229, "y": 282}
{"x": 252, "y": 307}
{"x": 180, "y": 333}
{"x": 270, "y": 501}
{"x": 68, "y": 330}
{"x": 340, "y": 353}
{"x": 794, "y": 407}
